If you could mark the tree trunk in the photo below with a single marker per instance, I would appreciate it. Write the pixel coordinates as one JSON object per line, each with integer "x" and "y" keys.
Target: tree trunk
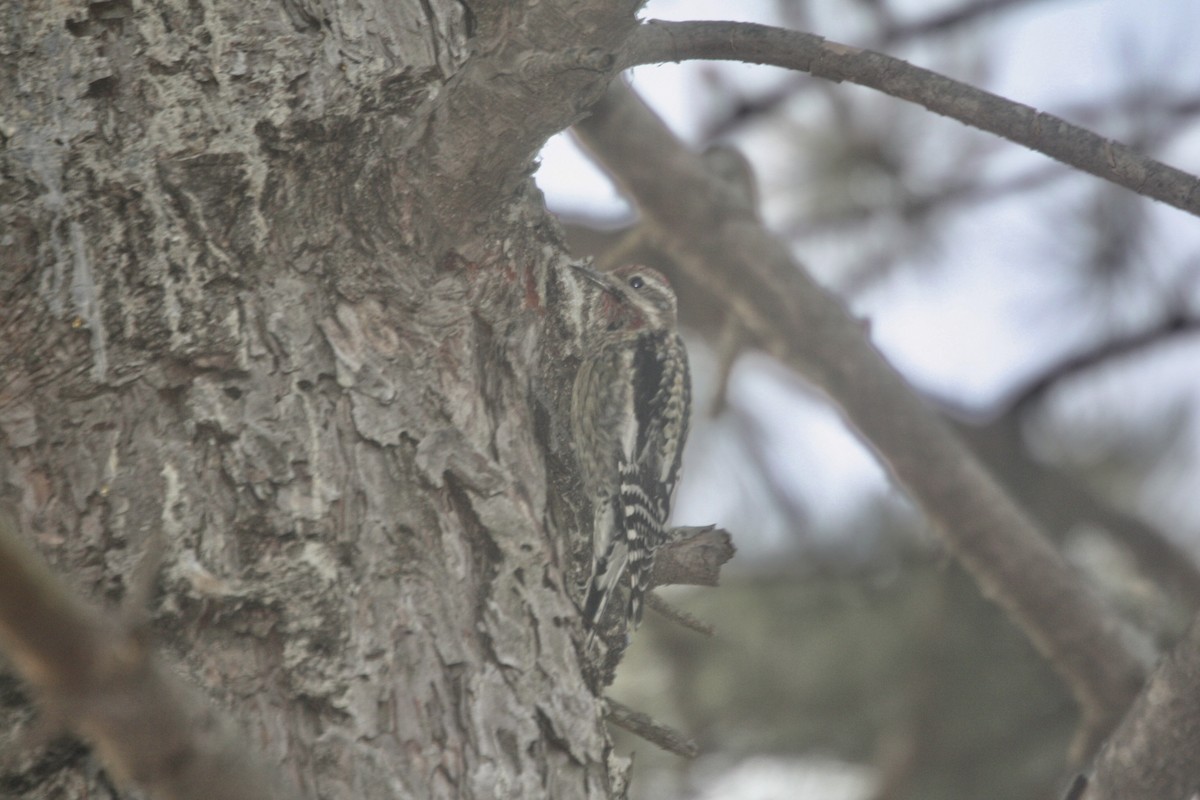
{"x": 276, "y": 288}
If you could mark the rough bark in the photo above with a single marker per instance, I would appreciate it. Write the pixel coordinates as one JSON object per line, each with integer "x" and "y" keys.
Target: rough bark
{"x": 276, "y": 286}
{"x": 1153, "y": 752}
{"x": 97, "y": 678}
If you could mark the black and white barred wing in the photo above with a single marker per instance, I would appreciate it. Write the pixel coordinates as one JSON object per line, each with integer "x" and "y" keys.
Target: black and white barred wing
{"x": 662, "y": 402}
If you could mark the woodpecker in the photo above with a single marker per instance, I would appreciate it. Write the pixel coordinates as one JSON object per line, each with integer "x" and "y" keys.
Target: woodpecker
{"x": 629, "y": 413}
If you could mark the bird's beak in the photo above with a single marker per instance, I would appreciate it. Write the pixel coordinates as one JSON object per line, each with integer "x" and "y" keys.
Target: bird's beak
{"x": 594, "y": 276}
{"x": 589, "y": 273}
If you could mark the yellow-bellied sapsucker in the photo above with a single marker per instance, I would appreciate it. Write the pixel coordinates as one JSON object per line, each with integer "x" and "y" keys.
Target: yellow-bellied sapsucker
{"x": 629, "y": 415}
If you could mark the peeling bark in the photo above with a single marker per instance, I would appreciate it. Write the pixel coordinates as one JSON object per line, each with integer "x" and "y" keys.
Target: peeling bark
{"x": 276, "y": 285}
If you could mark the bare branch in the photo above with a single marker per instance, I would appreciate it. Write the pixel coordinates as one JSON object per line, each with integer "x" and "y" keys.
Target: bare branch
{"x": 1176, "y": 325}
{"x": 1077, "y": 788}
{"x": 725, "y": 250}
{"x": 1153, "y": 752}
{"x": 729, "y": 347}
{"x": 892, "y": 34}
{"x": 678, "y": 616}
{"x": 642, "y": 725}
{"x": 1060, "y": 502}
{"x": 692, "y": 557}
{"x": 656, "y": 41}
{"x": 102, "y": 683}
{"x": 953, "y": 17}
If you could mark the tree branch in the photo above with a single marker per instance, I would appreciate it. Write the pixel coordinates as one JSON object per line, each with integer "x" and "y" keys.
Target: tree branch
{"x": 104, "y": 684}
{"x": 727, "y": 251}
{"x": 692, "y": 557}
{"x": 656, "y": 41}
{"x": 1179, "y": 324}
{"x": 1060, "y": 502}
{"x": 643, "y": 725}
{"x": 893, "y": 33}
{"x": 678, "y": 616}
{"x": 941, "y": 21}
{"x": 1153, "y": 752}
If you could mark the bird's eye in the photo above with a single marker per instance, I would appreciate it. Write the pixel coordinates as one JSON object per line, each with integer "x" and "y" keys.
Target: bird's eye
{"x": 636, "y": 282}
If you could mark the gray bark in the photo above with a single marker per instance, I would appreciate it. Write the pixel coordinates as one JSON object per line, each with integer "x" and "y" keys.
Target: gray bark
{"x": 275, "y": 285}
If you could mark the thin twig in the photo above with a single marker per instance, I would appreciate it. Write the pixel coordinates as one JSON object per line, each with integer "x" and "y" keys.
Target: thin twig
{"x": 1078, "y": 788}
{"x": 729, "y": 347}
{"x": 1175, "y": 326}
{"x": 678, "y": 615}
{"x": 656, "y": 733}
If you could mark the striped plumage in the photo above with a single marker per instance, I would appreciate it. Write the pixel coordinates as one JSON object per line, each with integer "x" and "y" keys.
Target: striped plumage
{"x": 630, "y": 409}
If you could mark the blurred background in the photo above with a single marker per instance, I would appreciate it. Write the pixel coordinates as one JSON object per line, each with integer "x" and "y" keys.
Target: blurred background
{"x": 1051, "y": 317}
